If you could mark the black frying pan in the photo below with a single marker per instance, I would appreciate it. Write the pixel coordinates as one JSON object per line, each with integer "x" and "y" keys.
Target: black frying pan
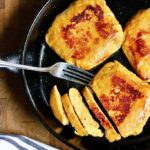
{"x": 38, "y": 85}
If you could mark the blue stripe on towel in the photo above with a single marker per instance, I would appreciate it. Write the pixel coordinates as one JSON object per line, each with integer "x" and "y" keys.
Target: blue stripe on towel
{"x": 23, "y": 143}
{"x": 13, "y": 143}
{"x": 31, "y": 143}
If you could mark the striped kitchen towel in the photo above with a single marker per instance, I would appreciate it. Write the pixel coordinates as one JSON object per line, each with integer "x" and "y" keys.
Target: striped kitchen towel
{"x": 18, "y": 142}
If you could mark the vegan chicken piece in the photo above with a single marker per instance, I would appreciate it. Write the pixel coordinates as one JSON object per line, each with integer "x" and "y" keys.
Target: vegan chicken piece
{"x": 72, "y": 117}
{"x": 90, "y": 125}
{"x": 124, "y": 96}
{"x": 110, "y": 132}
{"x": 57, "y": 107}
{"x": 85, "y": 34}
{"x": 137, "y": 43}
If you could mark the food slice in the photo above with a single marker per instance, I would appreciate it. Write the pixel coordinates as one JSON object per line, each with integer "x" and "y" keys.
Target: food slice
{"x": 74, "y": 120}
{"x": 110, "y": 132}
{"x": 91, "y": 126}
{"x": 137, "y": 43}
{"x": 124, "y": 96}
{"x": 88, "y": 33}
{"x": 57, "y": 107}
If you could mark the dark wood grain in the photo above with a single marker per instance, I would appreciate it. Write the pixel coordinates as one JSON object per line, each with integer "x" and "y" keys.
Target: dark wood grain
{"x": 16, "y": 113}
{"x": 2, "y": 4}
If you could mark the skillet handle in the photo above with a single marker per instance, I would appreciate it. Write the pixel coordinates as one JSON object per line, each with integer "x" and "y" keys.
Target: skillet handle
{"x": 14, "y": 58}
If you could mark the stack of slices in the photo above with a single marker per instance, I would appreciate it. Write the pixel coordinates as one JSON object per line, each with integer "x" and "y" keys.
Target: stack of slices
{"x": 124, "y": 96}
{"x": 86, "y": 34}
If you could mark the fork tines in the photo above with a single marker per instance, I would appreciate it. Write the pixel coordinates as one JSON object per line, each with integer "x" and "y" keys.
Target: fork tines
{"x": 82, "y": 76}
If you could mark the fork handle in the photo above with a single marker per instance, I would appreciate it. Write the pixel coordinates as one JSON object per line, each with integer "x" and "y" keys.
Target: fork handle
{"x": 19, "y": 66}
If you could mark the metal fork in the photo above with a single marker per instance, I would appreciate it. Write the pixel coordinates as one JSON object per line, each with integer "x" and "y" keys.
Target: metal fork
{"x": 60, "y": 70}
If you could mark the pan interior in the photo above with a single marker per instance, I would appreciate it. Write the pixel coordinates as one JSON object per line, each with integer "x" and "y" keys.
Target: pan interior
{"x": 39, "y": 84}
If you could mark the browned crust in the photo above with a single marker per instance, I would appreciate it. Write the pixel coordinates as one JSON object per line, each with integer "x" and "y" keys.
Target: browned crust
{"x": 110, "y": 132}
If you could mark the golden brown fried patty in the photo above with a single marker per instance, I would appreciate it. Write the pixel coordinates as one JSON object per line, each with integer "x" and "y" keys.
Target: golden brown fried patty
{"x": 91, "y": 126}
{"x": 57, "y": 107}
{"x": 74, "y": 120}
{"x": 137, "y": 43}
{"x": 124, "y": 96}
{"x": 85, "y": 34}
{"x": 110, "y": 132}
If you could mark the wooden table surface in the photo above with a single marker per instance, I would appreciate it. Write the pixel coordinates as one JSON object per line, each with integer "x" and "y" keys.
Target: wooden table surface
{"x": 16, "y": 114}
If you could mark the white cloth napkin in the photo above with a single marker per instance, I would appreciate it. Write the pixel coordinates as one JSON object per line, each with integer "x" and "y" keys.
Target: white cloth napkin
{"x": 18, "y": 142}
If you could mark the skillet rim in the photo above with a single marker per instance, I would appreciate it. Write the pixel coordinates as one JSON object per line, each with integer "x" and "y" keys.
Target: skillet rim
{"x": 40, "y": 116}
{"x": 31, "y": 99}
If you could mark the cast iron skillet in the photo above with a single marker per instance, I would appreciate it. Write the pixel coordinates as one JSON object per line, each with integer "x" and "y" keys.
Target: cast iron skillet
{"x": 38, "y": 85}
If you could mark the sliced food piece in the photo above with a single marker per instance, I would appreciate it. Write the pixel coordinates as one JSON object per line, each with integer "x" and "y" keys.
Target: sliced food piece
{"x": 110, "y": 132}
{"x": 124, "y": 96}
{"x": 88, "y": 33}
{"x": 57, "y": 107}
{"x": 72, "y": 117}
{"x": 137, "y": 43}
{"x": 91, "y": 126}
